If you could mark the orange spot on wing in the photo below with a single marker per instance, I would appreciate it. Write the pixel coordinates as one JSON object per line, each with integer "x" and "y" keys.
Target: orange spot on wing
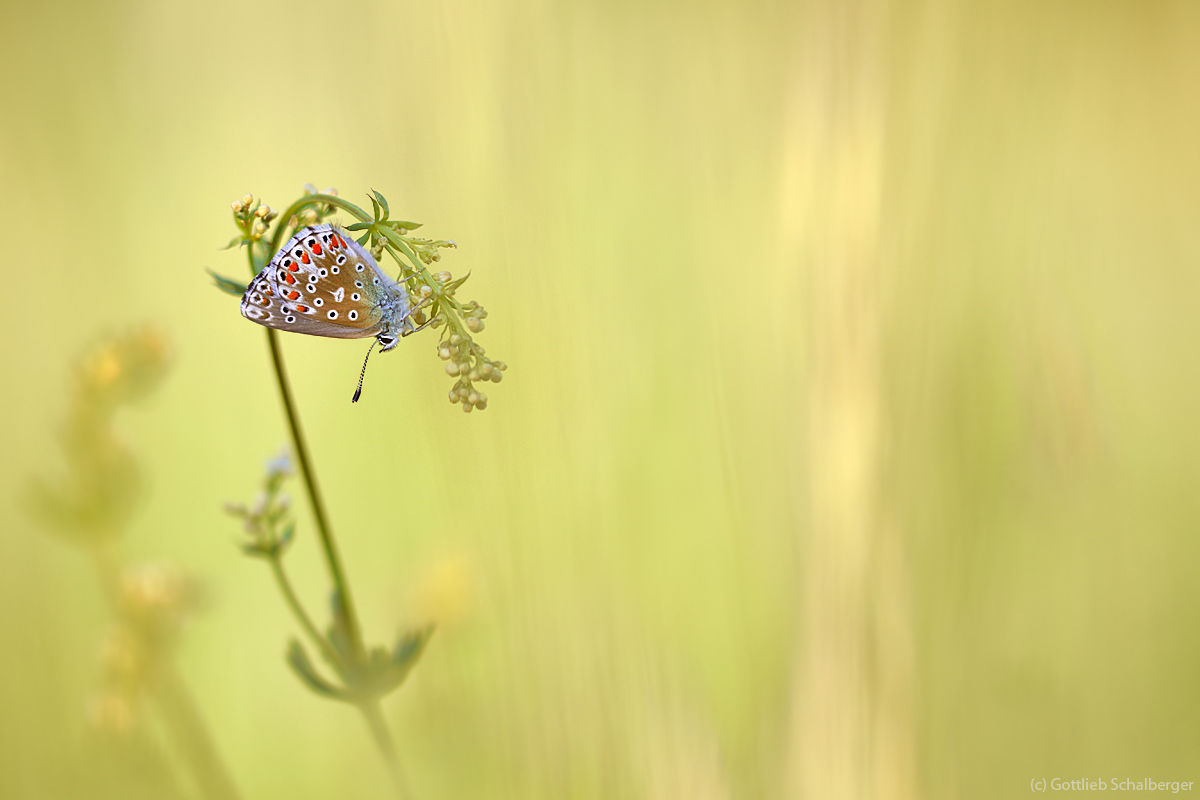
{"x": 292, "y": 267}
{"x": 302, "y": 309}
{"x": 269, "y": 292}
{"x": 304, "y": 257}
{"x": 316, "y": 249}
{"x": 292, "y": 295}
{"x": 289, "y": 279}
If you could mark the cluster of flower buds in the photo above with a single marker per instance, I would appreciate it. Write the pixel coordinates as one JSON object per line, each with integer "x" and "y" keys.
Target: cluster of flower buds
{"x": 253, "y": 217}
{"x": 427, "y": 249}
{"x": 122, "y": 369}
{"x": 469, "y": 363}
{"x": 97, "y": 494}
{"x": 156, "y": 599}
{"x": 268, "y": 523}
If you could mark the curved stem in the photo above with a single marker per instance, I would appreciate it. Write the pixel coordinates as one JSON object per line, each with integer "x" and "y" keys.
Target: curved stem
{"x": 300, "y": 446}
{"x": 370, "y": 708}
{"x": 289, "y": 594}
{"x": 383, "y": 740}
{"x": 336, "y": 573}
{"x": 312, "y": 200}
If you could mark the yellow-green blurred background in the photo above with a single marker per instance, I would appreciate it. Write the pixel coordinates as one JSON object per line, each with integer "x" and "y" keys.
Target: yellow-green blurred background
{"x": 848, "y": 446}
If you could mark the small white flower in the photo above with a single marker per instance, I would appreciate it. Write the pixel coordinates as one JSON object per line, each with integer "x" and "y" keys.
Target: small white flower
{"x": 280, "y": 464}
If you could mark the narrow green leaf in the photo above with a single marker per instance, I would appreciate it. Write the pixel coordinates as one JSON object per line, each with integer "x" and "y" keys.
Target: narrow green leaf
{"x": 227, "y": 285}
{"x": 339, "y": 630}
{"x": 375, "y": 203}
{"x": 408, "y": 226}
{"x": 359, "y": 226}
{"x": 366, "y": 237}
{"x": 404, "y": 657}
{"x": 298, "y": 660}
{"x": 410, "y": 646}
{"x": 452, "y": 285}
{"x": 286, "y": 537}
{"x": 383, "y": 202}
{"x": 254, "y": 550}
{"x": 234, "y": 242}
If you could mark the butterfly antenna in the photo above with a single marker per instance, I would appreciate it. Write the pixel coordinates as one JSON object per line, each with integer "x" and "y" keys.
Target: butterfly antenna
{"x": 363, "y": 374}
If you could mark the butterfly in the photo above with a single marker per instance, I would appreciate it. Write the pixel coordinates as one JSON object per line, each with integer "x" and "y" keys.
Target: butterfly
{"x": 323, "y": 283}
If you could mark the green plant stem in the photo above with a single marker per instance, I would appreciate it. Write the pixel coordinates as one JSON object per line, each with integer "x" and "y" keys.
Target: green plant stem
{"x": 313, "y": 200}
{"x": 373, "y": 712}
{"x": 289, "y": 594}
{"x": 334, "y": 561}
{"x": 370, "y": 708}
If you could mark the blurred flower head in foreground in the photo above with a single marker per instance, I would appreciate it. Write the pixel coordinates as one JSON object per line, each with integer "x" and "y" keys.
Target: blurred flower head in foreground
{"x": 96, "y": 496}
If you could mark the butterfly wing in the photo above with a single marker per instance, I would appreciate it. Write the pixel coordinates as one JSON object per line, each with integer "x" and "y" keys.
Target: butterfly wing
{"x": 321, "y": 283}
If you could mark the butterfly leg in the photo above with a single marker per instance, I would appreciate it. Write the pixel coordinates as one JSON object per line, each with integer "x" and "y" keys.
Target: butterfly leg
{"x": 422, "y": 327}
{"x": 408, "y": 317}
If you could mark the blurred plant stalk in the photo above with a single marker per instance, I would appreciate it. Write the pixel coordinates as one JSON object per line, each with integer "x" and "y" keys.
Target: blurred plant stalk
{"x": 91, "y": 507}
{"x": 850, "y": 729}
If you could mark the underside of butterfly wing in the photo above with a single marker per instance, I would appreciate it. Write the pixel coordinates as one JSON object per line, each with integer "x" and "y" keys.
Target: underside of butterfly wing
{"x": 321, "y": 283}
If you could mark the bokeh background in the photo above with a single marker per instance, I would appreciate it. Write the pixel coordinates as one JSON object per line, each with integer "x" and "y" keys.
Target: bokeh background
{"x": 848, "y": 445}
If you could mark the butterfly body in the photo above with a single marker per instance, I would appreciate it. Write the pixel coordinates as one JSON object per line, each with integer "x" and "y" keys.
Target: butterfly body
{"x": 323, "y": 283}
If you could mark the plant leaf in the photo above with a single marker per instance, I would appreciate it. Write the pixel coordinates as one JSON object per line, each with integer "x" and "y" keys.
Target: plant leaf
{"x": 450, "y": 287}
{"x": 409, "y": 648}
{"x": 227, "y": 285}
{"x": 298, "y": 660}
{"x": 383, "y": 202}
